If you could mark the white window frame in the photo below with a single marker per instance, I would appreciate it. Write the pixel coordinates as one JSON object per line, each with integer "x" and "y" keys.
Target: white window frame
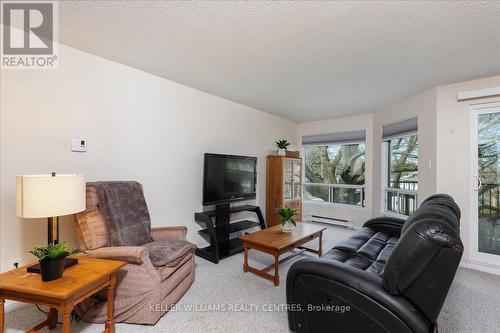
{"x": 331, "y": 186}
{"x": 385, "y": 179}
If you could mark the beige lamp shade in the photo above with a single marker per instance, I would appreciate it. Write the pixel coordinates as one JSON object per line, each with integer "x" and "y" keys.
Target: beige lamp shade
{"x": 46, "y": 195}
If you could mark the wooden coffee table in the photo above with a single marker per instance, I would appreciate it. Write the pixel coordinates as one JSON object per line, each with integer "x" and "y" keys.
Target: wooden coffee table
{"x": 276, "y": 242}
{"x": 77, "y": 284}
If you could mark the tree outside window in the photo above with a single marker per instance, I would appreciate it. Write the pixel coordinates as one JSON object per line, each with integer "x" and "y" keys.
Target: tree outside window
{"x": 403, "y": 172}
{"x": 335, "y": 173}
{"x": 489, "y": 192}
{"x": 402, "y": 178}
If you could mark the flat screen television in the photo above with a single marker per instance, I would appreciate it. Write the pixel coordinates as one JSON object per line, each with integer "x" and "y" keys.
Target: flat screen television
{"x": 228, "y": 178}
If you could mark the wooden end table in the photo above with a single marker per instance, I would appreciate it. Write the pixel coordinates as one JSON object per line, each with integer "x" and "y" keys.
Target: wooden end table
{"x": 276, "y": 242}
{"x": 77, "y": 284}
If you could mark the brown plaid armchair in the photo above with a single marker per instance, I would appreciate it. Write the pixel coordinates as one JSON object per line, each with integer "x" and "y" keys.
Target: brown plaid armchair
{"x": 144, "y": 292}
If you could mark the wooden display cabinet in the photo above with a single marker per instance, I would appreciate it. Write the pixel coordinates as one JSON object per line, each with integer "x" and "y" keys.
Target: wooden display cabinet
{"x": 284, "y": 187}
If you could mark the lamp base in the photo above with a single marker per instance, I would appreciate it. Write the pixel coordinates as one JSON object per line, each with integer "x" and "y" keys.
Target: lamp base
{"x": 36, "y": 267}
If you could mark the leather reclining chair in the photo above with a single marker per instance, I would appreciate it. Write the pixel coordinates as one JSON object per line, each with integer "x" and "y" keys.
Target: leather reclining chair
{"x": 391, "y": 276}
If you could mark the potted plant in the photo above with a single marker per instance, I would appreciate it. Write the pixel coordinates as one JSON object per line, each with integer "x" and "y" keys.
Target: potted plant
{"x": 287, "y": 222}
{"x": 282, "y": 146}
{"x": 52, "y": 258}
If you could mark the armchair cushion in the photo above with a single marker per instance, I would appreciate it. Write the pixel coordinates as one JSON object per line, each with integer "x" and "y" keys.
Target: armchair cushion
{"x": 168, "y": 252}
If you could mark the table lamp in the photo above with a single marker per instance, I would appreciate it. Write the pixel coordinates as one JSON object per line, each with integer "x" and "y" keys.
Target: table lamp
{"x": 50, "y": 196}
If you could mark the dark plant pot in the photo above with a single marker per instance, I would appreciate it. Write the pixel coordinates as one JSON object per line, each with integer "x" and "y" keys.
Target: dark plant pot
{"x": 52, "y": 269}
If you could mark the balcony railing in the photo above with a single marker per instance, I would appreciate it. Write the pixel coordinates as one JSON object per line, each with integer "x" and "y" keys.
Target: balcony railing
{"x": 401, "y": 197}
{"x": 488, "y": 199}
{"x": 405, "y": 185}
{"x": 335, "y": 193}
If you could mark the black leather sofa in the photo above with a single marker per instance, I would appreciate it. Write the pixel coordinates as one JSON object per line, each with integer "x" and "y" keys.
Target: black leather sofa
{"x": 390, "y": 276}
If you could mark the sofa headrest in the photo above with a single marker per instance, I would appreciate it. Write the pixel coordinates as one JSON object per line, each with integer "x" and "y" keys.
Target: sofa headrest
{"x": 439, "y": 207}
{"x": 444, "y": 200}
{"x": 438, "y": 196}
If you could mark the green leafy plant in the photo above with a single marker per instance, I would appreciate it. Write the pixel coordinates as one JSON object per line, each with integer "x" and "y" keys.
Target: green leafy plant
{"x": 287, "y": 214}
{"x": 282, "y": 144}
{"x": 53, "y": 251}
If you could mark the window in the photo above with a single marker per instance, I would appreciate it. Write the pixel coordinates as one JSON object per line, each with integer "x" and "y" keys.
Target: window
{"x": 335, "y": 173}
{"x": 402, "y": 174}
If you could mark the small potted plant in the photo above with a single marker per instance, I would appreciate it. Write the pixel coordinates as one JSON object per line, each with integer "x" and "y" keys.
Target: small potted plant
{"x": 282, "y": 146}
{"x": 52, "y": 258}
{"x": 287, "y": 222}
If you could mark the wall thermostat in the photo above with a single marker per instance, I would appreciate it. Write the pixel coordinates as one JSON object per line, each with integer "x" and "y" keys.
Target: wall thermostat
{"x": 78, "y": 144}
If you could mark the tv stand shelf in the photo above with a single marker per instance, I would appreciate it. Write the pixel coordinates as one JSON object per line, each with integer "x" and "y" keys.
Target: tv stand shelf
{"x": 234, "y": 209}
{"x": 217, "y": 232}
{"x": 235, "y": 227}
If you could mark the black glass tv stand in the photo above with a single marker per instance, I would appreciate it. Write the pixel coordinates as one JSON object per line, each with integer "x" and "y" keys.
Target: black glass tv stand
{"x": 217, "y": 228}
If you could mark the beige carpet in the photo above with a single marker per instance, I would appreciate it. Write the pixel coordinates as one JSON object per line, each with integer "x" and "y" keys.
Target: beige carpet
{"x": 472, "y": 304}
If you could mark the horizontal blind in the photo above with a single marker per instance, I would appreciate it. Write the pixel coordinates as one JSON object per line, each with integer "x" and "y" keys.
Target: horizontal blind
{"x": 341, "y": 137}
{"x": 400, "y": 128}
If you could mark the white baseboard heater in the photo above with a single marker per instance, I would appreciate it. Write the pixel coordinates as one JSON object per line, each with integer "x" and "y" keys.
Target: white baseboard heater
{"x": 330, "y": 220}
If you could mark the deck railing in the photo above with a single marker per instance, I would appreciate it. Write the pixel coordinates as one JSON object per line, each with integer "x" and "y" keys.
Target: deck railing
{"x": 335, "y": 193}
{"x": 401, "y": 197}
{"x": 405, "y": 185}
{"x": 488, "y": 199}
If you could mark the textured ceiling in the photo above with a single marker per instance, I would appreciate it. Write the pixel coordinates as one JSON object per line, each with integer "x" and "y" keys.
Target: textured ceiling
{"x": 299, "y": 60}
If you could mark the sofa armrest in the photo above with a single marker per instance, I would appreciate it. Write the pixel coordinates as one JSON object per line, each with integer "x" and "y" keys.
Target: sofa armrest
{"x": 391, "y": 225}
{"x": 130, "y": 254}
{"x": 323, "y": 281}
{"x": 169, "y": 233}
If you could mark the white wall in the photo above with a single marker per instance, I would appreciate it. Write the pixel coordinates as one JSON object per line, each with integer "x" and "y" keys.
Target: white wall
{"x": 422, "y": 106}
{"x": 344, "y": 124}
{"x": 454, "y": 131}
{"x": 138, "y": 127}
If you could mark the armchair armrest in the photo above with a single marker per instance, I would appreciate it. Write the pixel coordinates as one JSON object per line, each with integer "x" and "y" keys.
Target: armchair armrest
{"x": 387, "y": 224}
{"x": 169, "y": 233}
{"x": 131, "y": 254}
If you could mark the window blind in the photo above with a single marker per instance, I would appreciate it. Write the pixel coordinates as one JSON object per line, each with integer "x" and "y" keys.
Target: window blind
{"x": 331, "y": 138}
{"x": 400, "y": 128}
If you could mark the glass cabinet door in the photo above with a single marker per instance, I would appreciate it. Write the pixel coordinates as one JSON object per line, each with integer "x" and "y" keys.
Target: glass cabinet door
{"x": 288, "y": 180}
{"x": 292, "y": 181}
{"x": 297, "y": 181}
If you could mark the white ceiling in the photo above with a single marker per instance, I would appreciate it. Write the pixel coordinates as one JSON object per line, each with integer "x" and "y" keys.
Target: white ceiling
{"x": 299, "y": 60}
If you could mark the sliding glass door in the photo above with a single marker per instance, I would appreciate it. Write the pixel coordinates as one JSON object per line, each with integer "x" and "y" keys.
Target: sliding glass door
{"x": 486, "y": 169}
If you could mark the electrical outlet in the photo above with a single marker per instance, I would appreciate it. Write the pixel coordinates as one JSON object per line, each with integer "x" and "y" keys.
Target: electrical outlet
{"x": 16, "y": 263}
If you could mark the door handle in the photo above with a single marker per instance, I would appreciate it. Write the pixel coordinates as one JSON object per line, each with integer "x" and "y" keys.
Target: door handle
{"x": 479, "y": 183}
